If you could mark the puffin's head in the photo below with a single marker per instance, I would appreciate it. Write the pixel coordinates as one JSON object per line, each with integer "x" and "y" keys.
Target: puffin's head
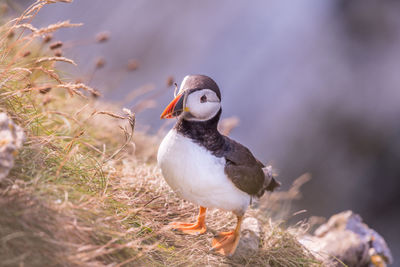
{"x": 199, "y": 99}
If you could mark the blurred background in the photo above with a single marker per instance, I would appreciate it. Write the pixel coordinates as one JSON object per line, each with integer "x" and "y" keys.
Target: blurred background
{"x": 315, "y": 84}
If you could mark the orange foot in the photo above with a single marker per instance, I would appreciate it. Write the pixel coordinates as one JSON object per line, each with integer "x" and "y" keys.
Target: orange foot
{"x": 225, "y": 243}
{"x": 197, "y": 228}
{"x": 189, "y": 228}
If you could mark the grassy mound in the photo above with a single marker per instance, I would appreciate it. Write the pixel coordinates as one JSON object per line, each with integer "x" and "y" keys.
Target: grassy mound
{"x": 85, "y": 189}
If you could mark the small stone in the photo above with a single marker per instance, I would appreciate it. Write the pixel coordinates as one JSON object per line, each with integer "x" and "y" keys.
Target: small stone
{"x": 250, "y": 237}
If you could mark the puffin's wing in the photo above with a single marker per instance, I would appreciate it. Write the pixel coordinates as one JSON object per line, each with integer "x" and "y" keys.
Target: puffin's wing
{"x": 243, "y": 169}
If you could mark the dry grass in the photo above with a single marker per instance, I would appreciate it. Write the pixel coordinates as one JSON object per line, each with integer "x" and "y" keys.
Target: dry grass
{"x": 82, "y": 193}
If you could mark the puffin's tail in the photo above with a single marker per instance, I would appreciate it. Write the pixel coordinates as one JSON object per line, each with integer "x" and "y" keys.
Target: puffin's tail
{"x": 270, "y": 183}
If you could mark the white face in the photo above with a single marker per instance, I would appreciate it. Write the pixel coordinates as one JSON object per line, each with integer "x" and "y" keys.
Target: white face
{"x": 202, "y": 105}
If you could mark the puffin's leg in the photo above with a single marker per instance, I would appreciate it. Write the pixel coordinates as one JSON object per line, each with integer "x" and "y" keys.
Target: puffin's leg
{"x": 193, "y": 228}
{"x": 226, "y": 243}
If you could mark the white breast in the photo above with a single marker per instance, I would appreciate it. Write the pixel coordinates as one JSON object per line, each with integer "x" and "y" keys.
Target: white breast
{"x": 198, "y": 176}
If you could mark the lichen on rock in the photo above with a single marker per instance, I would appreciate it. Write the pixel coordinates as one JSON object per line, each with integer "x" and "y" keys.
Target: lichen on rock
{"x": 11, "y": 138}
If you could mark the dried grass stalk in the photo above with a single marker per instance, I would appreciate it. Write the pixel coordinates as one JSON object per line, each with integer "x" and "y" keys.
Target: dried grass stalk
{"x": 64, "y": 59}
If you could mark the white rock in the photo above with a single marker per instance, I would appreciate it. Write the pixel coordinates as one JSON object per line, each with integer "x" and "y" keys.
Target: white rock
{"x": 250, "y": 237}
{"x": 11, "y": 138}
{"x": 347, "y": 238}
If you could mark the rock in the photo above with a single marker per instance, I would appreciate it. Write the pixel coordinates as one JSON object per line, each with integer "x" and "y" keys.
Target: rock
{"x": 250, "y": 237}
{"x": 346, "y": 238}
{"x": 11, "y": 138}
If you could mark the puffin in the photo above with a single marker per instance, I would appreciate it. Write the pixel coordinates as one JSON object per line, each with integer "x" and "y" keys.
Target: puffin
{"x": 205, "y": 167}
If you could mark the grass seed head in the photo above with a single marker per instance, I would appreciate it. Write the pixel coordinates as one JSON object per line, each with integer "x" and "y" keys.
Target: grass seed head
{"x": 100, "y": 62}
{"x": 95, "y": 93}
{"x": 46, "y": 100}
{"x": 47, "y": 38}
{"x": 170, "y": 81}
{"x": 26, "y": 54}
{"x": 3, "y": 8}
{"x": 58, "y": 53}
{"x": 133, "y": 65}
{"x": 102, "y": 37}
{"x": 11, "y": 34}
{"x": 56, "y": 45}
{"x": 45, "y": 90}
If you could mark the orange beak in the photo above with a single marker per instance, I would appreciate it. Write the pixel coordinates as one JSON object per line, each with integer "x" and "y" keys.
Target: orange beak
{"x": 175, "y": 108}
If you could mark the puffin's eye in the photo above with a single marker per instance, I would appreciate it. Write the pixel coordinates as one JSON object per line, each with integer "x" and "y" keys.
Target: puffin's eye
{"x": 203, "y": 99}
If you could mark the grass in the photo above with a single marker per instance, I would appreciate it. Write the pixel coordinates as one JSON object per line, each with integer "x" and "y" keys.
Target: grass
{"x": 82, "y": 192}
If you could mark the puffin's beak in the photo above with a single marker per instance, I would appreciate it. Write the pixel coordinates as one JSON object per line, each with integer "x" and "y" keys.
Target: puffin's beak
{"x": 175, "y": 108}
